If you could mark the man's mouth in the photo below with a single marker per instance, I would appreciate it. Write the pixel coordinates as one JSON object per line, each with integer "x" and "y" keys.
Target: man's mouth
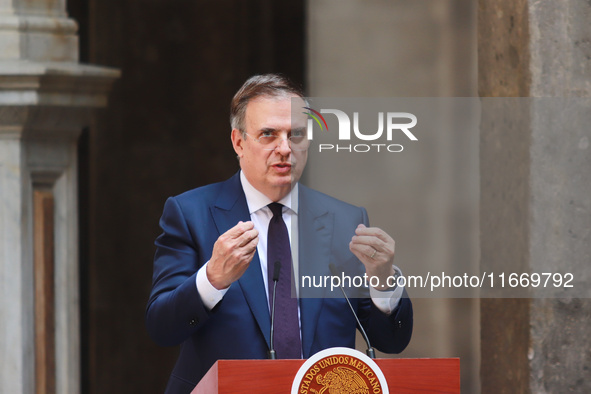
{"x": 282, "y": 168}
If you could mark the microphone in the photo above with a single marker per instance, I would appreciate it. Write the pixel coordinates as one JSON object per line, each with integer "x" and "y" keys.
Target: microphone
{"x": 276, "y": 269}
{"x": 370, "y": 350}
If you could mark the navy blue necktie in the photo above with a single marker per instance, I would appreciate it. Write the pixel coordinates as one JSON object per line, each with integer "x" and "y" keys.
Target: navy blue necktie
{"x": 287, "y": 328}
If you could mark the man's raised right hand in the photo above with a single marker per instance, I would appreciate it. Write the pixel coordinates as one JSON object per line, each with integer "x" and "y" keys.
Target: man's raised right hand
{"x": 232, "y": 253}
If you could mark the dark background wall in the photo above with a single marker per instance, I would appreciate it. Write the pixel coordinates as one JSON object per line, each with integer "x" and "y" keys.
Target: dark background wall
{"x": 181, "y": 62}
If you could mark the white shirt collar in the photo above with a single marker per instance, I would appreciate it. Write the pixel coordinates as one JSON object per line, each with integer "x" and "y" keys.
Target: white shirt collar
{"x": 257, "y": 200}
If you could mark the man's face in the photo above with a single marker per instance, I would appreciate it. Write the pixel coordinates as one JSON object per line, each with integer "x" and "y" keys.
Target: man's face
{"x": 270, "y": 171}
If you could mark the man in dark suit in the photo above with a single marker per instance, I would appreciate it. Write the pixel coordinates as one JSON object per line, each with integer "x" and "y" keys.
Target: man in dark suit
{"x": 212, "y": 269}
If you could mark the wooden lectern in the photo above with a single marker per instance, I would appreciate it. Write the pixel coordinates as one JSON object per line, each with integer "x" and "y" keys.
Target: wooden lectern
{"x": 441, "y": 375}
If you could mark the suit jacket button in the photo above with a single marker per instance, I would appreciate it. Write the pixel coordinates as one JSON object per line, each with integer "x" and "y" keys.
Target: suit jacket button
{"x": 193, "y": 322}
{"x": 399, "y": 323}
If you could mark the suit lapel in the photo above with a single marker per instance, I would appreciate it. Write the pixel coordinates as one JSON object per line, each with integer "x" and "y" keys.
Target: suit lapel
{"x": 315, "y": 237}
{"x": 230, "y": 208}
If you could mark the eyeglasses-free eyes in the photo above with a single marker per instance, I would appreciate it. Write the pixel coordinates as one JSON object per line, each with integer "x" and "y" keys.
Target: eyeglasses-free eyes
{"x": 299, "y": 142}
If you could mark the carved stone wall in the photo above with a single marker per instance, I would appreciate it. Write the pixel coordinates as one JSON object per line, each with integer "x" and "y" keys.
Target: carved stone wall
{"x": 46, "y": 98}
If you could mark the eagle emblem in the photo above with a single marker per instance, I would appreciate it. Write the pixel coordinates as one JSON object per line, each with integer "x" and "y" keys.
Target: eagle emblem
{"x": 341, "y": 380}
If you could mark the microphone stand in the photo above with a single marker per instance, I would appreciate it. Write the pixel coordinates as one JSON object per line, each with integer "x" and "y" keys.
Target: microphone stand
{"x": 272, "y": 353}
{"x": 370, "y": 350}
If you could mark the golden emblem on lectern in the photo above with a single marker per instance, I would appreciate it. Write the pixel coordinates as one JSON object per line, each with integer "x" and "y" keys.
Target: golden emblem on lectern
{"x": 339, "y": 371}
{"x": 341, "y": 380}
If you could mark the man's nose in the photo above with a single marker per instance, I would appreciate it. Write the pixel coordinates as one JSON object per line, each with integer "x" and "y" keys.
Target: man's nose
{"x": 283, "y": 147}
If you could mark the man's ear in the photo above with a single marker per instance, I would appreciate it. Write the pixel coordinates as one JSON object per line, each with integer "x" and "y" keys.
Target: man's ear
{"x": 237, "y": 142}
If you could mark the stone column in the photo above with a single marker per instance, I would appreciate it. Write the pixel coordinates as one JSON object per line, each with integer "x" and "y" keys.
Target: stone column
{"x": 46, "y": 98}
{"x": 536, "y": 191}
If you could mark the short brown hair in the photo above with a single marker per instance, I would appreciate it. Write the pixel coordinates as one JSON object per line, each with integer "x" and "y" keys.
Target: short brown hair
{"x": 268, "y": 85}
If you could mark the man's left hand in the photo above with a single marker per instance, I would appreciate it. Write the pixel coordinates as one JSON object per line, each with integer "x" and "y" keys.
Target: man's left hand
{"x": 375, "y": 249}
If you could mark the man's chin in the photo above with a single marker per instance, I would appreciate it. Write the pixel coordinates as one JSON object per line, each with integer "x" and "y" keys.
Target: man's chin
{"x": 285, "y": 181}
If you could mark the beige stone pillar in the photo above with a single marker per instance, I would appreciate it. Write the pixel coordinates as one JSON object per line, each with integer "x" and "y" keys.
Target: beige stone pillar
{"x": 535, "y": 192}
{"x": 46, "y": 98}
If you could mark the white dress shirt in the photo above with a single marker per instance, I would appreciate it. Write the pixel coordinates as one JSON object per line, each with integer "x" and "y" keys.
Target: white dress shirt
{"x": 260, "y": 215}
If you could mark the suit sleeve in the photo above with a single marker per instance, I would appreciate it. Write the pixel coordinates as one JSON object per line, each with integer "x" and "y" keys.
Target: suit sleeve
{"x": 175, "y": 309}
{"x": 388, "y": 333}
